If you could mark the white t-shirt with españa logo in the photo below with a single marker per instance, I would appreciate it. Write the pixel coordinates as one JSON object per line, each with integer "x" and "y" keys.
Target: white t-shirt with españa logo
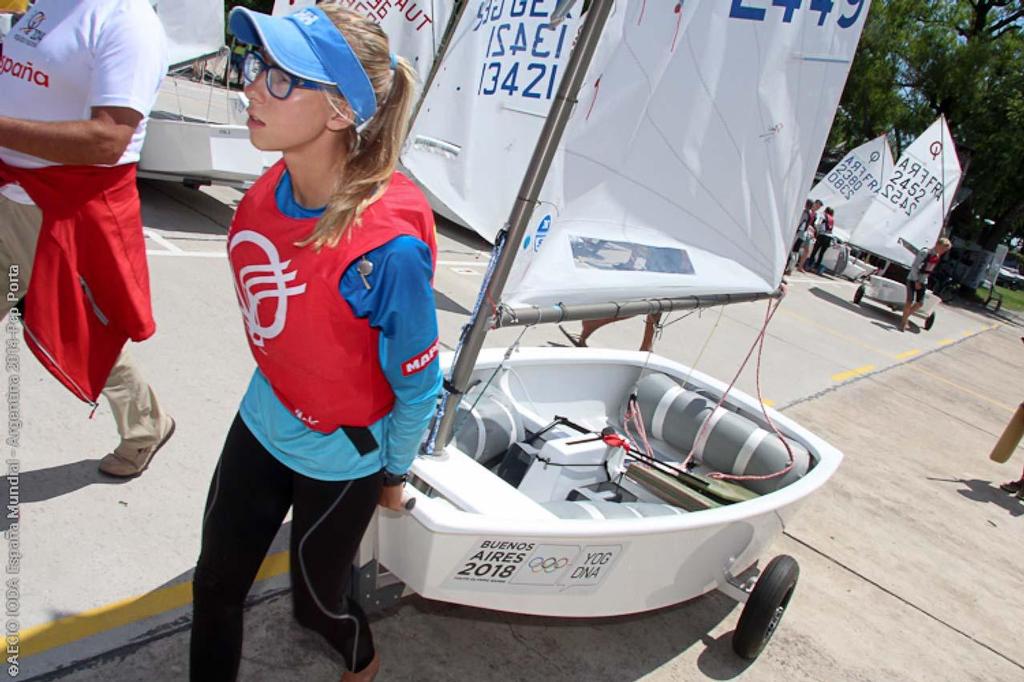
{"x": 63, "y": 58}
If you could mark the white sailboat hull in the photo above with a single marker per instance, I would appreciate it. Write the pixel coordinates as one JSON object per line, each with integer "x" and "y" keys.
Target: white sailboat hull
{"x": 854, "y": 269}
{"x": 578, "y": 567}
{"x": 894, "y": 295}
{"x": 200, "y": 151}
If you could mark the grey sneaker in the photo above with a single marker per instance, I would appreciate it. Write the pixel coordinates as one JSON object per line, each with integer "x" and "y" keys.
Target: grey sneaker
{"x": 127, "y": 462}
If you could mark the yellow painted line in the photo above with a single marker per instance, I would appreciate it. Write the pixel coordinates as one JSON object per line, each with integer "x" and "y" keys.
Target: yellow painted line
{"x": 768, "y": 403}
{"x": 907, "y": 354}
{"x": 946, "y": 342}
{"x": 64, "y": 631}
{"x": 1008, "y": 408}
{"x": 969, "y": 332}
{"x": 843, "y": 376}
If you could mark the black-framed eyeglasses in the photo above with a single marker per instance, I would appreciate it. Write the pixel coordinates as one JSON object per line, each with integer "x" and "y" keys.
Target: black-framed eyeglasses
{"x": 280, "y": 83}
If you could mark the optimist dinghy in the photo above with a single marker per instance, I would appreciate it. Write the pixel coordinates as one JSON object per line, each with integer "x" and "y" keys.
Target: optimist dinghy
{"x": 912, "y": 206}
{"x": 586, "y": 483}
{"x": 849, "y": 188}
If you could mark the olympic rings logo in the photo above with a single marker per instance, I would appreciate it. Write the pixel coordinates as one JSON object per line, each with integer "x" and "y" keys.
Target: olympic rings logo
{"x": 548, "y": 564}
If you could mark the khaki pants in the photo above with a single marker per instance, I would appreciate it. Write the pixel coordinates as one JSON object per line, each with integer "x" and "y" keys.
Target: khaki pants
{"x": 134, "y": 405}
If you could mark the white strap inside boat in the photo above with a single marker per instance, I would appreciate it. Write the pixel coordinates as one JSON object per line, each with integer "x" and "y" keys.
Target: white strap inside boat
{"x": 481, "y": 434}
{"x": 747, "y": 451}
{"x": 707, "y": 430}
{"x": 636, "y": 512}
{"x": 591, "y": 510}
{"x": 661, "y": 411}
{"x": 512, "y": 435}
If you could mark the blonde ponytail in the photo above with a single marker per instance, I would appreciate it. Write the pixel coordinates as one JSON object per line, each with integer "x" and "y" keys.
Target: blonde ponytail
{"x": 375, "y": 150}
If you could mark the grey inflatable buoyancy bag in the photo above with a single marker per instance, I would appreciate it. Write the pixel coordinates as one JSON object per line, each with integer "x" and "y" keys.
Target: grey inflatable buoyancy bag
{"x": 732, "y": 444}
{"x": 485, "y": 431}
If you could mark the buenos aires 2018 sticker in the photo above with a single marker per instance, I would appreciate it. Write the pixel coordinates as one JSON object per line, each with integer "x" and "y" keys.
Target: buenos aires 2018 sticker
{"x": 498, "y": 562}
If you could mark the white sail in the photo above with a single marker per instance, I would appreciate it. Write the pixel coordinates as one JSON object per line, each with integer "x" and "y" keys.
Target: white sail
{"x": 194, "y": 28}
{"x": 851, "y": 185}
{"x": 686, "y": 163}
{"x": 914, "y": 198}
{"x": 477, "y": 127}
{"x": 414, "y": 27}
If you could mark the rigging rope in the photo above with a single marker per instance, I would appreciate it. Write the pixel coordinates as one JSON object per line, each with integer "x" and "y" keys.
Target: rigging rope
{"x": 430, "y": 446}
{"x": 770, "y": 311}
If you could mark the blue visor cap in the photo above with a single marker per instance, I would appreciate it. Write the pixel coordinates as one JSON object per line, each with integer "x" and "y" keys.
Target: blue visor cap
{"x": 307, "y": 44}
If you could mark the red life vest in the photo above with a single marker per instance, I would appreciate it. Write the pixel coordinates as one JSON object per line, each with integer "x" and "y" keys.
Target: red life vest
{"x": 90, "y": 279}
{"x": 320, "y": 359}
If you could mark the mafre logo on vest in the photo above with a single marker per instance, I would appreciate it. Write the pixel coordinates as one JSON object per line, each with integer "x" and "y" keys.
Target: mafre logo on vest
{"x": 419, "y": 361}
{"x": 272, "y": 278}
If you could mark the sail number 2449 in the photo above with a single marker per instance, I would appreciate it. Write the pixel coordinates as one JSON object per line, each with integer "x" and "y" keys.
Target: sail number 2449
{"x": 756, "y": 10}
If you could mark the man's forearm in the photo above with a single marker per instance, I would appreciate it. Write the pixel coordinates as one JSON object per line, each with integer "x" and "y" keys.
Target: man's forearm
{"x": 66, "y": 142}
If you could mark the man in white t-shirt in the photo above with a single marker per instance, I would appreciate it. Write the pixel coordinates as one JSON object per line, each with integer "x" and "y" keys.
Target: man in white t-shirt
{"x": 78, "y": 81}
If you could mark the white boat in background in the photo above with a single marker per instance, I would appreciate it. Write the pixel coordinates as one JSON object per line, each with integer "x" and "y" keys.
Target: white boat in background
{"x": 197, "y": 132}
{"x": 849, "y": 188}
{"x": 586, "y": 483}
{"x": 914, "y": 199}
{"x": 841, "y": 260}
{"x": 851, "y": 185}
{"x": 911, "y": 206}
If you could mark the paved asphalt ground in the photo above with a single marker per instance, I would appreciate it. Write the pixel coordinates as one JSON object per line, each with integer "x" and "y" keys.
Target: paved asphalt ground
{"x": 910, "y": 556}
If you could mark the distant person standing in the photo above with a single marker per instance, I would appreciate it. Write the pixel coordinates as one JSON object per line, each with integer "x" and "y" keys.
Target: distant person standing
{"x": 810, "y": 233}
{"x": 238, "y": 53}
{"x": 823, "y": 240}
{"x": 925, "y": 262}
{"x": 78, "y": 80}
{"x": 802, "y": 238}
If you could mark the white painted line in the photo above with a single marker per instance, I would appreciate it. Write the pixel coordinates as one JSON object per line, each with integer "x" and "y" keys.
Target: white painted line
{"x": 159, "y": 239}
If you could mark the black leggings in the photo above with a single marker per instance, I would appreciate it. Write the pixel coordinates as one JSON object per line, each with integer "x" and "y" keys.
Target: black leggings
{"x": 249, "y": 496}
{"x": 821, "y": 245}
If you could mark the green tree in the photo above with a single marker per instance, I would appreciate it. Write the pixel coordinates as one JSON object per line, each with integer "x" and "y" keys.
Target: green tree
{"x": 265, "y": 6}
{"x": 961, "y": 58}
